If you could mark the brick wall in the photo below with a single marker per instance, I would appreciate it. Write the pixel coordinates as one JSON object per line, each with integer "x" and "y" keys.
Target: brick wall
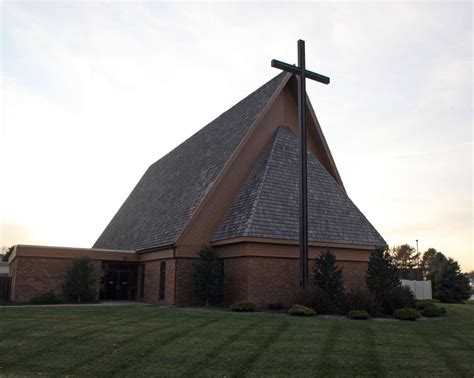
{"x": 38, "y": 275}
{"x": 265, "y": 280}
{"x": 236, "y": 282}
{"x": 151, "y": 290}
{"x": 354, "y": 273}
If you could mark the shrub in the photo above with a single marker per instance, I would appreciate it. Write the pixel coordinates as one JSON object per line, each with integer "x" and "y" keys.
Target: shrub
{"x": 400, "y": 297}
{"x": 207, "y": 276}
{"x": 276, "y": 306}
{"x": 299, "y": 310}
{"x": 406, "y": 313}
{"x": 243, "y": 306}
{"x": 420, "y": 305}
{"x": 46, "y": 298}
{"x": 80, "y": 280}
{"x": 328, "y": 276}
{"x": 362, "y": 299}
{"x": 318, "y": 300}
{"x": 430, "y": 311}
{"x": 358, "y": 315}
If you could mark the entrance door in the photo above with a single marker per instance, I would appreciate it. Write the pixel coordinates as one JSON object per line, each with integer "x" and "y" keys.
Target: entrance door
{"x": 117, "y": 284}
{"x": 119, "y": 281}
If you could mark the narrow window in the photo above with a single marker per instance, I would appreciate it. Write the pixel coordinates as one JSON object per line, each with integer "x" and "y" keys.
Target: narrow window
{"x": 162, "y": 279}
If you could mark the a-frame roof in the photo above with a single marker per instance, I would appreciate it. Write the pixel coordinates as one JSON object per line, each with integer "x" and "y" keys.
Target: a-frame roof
{"x": 267, "y": 204}
{"x": 192, "y": 193}
{"x": 159, "y": 207}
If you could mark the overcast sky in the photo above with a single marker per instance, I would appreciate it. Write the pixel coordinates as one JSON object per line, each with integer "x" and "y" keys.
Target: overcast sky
{"x": 93, "y": 93}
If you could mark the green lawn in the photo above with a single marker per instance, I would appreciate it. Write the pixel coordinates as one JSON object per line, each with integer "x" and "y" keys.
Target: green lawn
{"x": 147, "y": 340}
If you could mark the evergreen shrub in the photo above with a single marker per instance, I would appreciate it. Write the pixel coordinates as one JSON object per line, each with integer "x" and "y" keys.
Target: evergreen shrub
{"x": 420, "y": 305}
{"x": 358, "y": 315}
{"x": 46, "y": 298}
{"x": 300, "y": 310}
{"x": 406, "y": 313}
{"x": 243, "y": 306}
{"x": 430, "y": 311}
{"x": 80, "y": 281}
{"x": 328, "y": 277}
{"x": 208, "y": 277}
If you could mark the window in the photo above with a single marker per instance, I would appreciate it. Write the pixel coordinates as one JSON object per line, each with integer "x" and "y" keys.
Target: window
{"x": 162, "y": 279}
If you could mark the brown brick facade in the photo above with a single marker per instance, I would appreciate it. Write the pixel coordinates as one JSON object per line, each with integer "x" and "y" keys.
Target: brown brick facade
{"x": 265, "y": 280}
{"x": 38, "y": 275}
{"x": 151, "y": 292}
{"x": 259, "y": 272}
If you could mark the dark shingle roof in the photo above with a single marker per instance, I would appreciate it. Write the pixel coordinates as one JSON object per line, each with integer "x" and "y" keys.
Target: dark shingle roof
{"x": 267, "y": 204}
{"x": 165, "y": 198}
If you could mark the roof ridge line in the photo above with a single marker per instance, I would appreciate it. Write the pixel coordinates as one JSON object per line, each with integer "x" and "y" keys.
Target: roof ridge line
{"x": 249, "y": 221}
{"x": 270, "y": 101}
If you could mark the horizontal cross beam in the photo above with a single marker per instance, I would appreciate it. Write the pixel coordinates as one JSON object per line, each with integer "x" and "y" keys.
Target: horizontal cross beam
{"x": 298, "y": 71}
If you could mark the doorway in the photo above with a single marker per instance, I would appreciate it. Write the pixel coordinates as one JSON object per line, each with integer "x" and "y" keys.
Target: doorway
{"x": 119, "y": 281}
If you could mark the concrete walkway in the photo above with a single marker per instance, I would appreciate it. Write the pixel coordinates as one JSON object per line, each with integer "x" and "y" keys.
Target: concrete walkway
{"x": 100, "y": 304}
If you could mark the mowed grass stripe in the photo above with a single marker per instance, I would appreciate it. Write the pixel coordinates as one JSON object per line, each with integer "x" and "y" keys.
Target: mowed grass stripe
{"x": 43, "y": 320}
{"x": 442, "y": 348}
{"x": 247, "y": 365}
{"x": 157, "y": 344}
{"x": 217, "y": 347}
{"x": 50, "y": 342}
{"x": 119, "y": 347}
{"x": 245, "y": 350}
{"x": 74, "y": 355}
{"x": 133, "y": 341}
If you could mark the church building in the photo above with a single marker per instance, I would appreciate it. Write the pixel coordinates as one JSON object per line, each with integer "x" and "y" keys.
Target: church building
{"x": 232, "y": 186}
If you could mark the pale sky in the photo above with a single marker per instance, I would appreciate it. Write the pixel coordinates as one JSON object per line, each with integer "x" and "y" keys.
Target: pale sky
{"x": 95, "y": 92}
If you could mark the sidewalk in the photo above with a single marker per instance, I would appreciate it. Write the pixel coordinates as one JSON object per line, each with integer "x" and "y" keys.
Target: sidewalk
{"x": 100, "y": 304}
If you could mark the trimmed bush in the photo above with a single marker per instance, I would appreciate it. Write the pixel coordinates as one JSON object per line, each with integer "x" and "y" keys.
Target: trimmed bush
{"x": 276, "y": 306}
{"x": 243, "y": 306}
{"x": 430, "y": 312}
{"x": 362, "y": 299}
{"x": 406, "y": 313}
{"x": 358, "y": 315}
{"x": 46, "y": 298}
{"x": 420, "y": 305}
{"x": 299, "y": 310}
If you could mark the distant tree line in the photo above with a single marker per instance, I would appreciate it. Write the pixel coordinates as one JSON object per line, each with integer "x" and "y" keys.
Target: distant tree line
{"x": 449, "y": 284}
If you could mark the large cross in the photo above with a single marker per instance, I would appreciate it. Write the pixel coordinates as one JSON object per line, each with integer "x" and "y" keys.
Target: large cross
{"x": 302, "y": 73}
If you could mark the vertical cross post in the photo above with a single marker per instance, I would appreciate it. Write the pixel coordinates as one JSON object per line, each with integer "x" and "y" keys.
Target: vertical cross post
{"x": 301, "y": 73}
{"x": 303, "y": 167}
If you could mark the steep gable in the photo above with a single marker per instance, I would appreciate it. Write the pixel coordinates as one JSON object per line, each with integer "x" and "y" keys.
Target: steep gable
{"x": 267, "y": 204}
{"x": 160, "y": 206}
